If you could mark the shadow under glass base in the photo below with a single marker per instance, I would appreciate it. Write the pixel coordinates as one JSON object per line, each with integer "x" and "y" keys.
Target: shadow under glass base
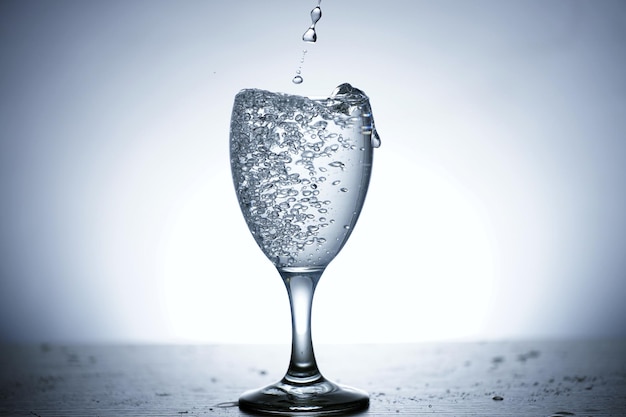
{"x": 320, "y": 398}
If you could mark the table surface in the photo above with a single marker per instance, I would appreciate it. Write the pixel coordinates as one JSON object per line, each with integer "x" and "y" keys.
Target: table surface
{"x": 521, "y": 378}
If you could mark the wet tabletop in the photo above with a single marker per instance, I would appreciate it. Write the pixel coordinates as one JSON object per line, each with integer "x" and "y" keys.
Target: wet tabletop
{"x": 555, "y": 378}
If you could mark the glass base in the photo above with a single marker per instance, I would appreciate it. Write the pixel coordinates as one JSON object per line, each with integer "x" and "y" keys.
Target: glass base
{"x": 319, "y": 398}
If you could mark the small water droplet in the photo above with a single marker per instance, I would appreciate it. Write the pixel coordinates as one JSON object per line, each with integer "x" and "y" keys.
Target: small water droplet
{"x": 310, "y": 35}
{"x": 344, "y": 190}
{"x": 316, "y": 14}
{"x": 375, "y": 139}
{"x": 297, "y": 79}
{"x": 347, "y": 227}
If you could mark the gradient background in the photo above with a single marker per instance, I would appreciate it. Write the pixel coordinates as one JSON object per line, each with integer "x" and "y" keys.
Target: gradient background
{"x": 496, "y": 208}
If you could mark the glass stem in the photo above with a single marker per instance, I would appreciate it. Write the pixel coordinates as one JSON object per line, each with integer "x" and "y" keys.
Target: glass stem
{"x": 301, "y": 287}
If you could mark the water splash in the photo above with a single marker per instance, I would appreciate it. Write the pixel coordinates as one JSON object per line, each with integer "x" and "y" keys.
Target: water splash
{"x": 348, "y": 97}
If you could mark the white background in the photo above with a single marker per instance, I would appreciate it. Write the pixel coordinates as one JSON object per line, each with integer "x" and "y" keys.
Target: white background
{"x": 496, "y": 207}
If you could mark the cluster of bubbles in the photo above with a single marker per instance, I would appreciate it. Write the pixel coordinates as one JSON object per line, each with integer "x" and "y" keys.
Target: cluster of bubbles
{"x": 286, "y": 159}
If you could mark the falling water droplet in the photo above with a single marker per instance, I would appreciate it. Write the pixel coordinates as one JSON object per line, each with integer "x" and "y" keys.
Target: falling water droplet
{"x": 310, "y": 35}
{"x": 316, "y": 14}
{"x": 297, "y": 79}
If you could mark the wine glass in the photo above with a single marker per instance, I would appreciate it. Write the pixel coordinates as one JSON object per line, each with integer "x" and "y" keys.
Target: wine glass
{"x": 301, "y": 168}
